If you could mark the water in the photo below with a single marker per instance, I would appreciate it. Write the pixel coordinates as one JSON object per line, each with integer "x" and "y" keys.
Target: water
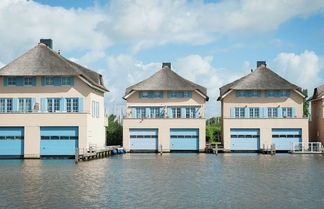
{"x": 168, "y": 181}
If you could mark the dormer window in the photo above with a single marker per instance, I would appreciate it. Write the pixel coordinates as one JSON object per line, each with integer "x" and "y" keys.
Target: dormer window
{"x": 28, "y": 81}
{"x": 66, "y": 81}
{"x": 49, "y": 81}
{"x": 12, "y": 81}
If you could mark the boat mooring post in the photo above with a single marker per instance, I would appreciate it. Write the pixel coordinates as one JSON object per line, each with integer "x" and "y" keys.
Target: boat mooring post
{"x": 76, "y": 157}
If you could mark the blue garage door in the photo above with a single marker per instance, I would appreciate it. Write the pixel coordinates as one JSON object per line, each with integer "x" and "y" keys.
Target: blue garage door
{"x": 143, "y": 139}
{"x": 60, "y": 141}
{"x": 284, "y": 138}
{"x": 245, "y": 139}
{"x": 11, "y": 141}
{"x": 184, "y": 139}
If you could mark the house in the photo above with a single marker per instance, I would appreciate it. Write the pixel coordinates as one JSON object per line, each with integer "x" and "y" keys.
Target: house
{"x": 49, "y": 105}
{"x": 165, "y": 111}
{"x": 261, "y": 109}
{"x": 317, "y": 112}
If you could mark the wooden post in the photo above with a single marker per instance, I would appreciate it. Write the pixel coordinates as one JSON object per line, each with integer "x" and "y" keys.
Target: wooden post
{"x": 216, "y": 149}
{"x": 160, "y": 146}
{"x": 76, "y": 157}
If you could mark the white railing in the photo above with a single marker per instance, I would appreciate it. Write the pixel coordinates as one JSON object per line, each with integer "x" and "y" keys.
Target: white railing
{"x": 312, "y": 147}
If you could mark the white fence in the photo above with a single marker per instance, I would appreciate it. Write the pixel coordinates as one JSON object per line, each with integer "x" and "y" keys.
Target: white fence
{"x": 307, "y": 147}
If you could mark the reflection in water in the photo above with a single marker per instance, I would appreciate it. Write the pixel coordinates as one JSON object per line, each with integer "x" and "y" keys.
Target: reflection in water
{"x": 167, "y": 181}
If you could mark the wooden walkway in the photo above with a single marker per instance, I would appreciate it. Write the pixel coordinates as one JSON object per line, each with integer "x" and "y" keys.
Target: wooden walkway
{"x": 91, "y": 154}
{"x": 214, "y": 148}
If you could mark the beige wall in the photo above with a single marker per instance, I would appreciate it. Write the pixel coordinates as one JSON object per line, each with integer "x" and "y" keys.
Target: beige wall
{"x": 196, "y": 100}
{"x": 91, "y": 130}
{"x": 317, "y": 122}
{"x": 231, "y": 100}
{"x": 265, "y": 125}
{"x": 33, "y": 121}
{"x": 164, "y": 126}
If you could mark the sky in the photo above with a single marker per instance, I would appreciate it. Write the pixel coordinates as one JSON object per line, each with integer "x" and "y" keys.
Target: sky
{"x": 211, "y": 42}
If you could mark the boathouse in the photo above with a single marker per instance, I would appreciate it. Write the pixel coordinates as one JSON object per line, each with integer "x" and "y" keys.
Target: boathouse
{"x": 166, "y": 112}
{"x": 262, "y": 109}
{"x": 49, "y": 105}
{"x": 317, "y": 115}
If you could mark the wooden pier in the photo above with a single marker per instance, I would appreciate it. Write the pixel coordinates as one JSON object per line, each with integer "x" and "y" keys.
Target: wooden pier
{"x": 269, "y": 150}
{"x": 214, "y": 148}
{"x": 91, "y": 154}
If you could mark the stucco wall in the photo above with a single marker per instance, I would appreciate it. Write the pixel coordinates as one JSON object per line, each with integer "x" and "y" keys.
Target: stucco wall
{"x": 265, "y": 125}
{"x": 164, "y": 126}
{"x": 33, "y": 121}
{"x": 317, "y": 122}
{"x": 231, "y": 100}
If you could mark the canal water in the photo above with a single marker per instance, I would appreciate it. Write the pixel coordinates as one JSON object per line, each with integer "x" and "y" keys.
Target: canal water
{"x": 170, "y": 181}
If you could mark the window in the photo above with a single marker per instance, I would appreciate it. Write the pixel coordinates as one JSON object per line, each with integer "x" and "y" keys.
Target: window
{"x": 248, "y": 93}
{"x": 12, "y": 81}
{"x": 176, "y": 112}
{"x": 150, "y": 94}
{"x": 49, "y": 81}
{"x": 95, "y": 109}
{"x": 272, "y": 112}
{"x": 140, "y": 112}
{"x": 287, "y": 112}
{"x": 25, "y": 105}
{"x": 155, "y": 112}
{"x": 66, "y": 81}
{"x": 179, "y": 94}
{"x": 72, "y": 105}
{"x": 53, "y": 104}
{"x": 239, "y": 112}
{"x": 277, "y": 93}
{"x": 254, "y": 112}
{"x": 28, "y": 81}
{"x": 190, "y": 112}
{"x": 5, "y": 105}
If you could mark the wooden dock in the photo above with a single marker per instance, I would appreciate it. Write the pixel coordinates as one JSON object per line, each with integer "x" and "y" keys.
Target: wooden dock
{"x": 268, "y": 150}
{"x": 214, "y": 148}
{"x": 91, "y": 154}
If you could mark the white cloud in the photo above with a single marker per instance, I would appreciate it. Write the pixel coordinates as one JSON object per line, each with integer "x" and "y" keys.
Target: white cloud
{"x": 124, "y": 71}
{"x": 140, "y": 23}
{"x": 305, "y": 69}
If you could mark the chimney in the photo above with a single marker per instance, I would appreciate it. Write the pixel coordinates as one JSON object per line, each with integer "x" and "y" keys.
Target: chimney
{"x": 166, "y": 64}
{"x": 47, "y": 42}
{"x": 259, "y": 63}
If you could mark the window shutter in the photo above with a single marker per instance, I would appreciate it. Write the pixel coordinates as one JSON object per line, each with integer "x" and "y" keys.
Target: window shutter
{"x": 19, "y": 81}
{"x": 247, "y": 112}
{"x": 293, "y": 110}
{"x": 43, "y": 81}
{"x": 15, "y": 104}
{"x": 33, "y": 81}
{"x": 133, "y": 112}
{"x": 183, "y": 112}
{"x": 5, "y": 81}
{"x": 44, "y": 104}
{"x": 161, "y": 109}
{"x": 197, "y": 111}
{"x": 232, "y": 112}
{"x": 80, "y": 104}
{"x": 98, "y": 113}
{"x": 62, "y": 104}
{"x": 169, "y": 112}
{"x": 57, "y": 81}
{"x": 279, "y": 112}
{"x": 71, "y": 81}
{"x": 33, "y": 101}
{"x": 265, "y": 112}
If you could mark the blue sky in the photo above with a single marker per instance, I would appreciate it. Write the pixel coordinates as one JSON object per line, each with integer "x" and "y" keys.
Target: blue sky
{"x": 209, "y": 42}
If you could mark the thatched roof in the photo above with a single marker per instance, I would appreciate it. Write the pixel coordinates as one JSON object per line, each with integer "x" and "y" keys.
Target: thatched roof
{"x": 261, "y": 78}
{"x": 318, "y": 92}
{"x": 166, "y": 79}
{"x": 43, "y": 61}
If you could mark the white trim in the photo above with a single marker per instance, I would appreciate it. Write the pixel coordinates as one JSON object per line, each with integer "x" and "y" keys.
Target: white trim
{"x": 128, "y": 95}
{"x": 222, "y": 97}
{"x": 300, "y": 93}
{"x": 89, "y": 84}
{"x": 201, "y": 94}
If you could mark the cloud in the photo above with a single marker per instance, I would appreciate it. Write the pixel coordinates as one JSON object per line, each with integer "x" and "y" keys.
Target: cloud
{"x": 305, "y": 69}
{"x": 125, "y": 70}
{"x": 139, "y": 23}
